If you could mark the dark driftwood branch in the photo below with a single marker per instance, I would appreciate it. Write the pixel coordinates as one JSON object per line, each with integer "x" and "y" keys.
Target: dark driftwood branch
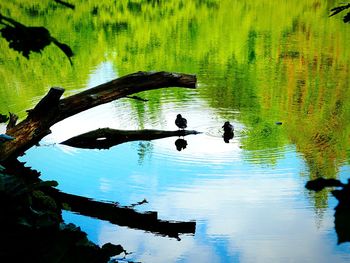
{"x": 106, "y": 138}
{"x": 124, "y": 216}
{"x": 136, "y": 98}
{"x": 12, "y": 122}
{"x": 122, "y": 87}
{"x": 51, "y": 109}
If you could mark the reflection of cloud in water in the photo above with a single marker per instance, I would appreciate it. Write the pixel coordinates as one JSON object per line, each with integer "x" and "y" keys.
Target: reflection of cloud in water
{"x": 105, "y": 185}
{"x": 256, "y": 224}
{"x": 97, "y": 117}
{"x": 244, "y": 212}
{"x": 3, "y": 127}
{"x": 200, "y": 149}
{"x": 102, "y": 73}
{"x": 146, "y": 247}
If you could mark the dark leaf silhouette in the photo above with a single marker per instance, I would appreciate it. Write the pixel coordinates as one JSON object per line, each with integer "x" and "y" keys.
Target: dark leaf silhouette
{"x": 65, "y": 48}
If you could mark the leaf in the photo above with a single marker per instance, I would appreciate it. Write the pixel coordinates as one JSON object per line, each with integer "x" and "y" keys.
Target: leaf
{"x": 346, "y": 18}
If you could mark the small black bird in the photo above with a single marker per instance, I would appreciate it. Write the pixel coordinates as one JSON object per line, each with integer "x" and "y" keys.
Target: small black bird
{"x": 228, "y": 127}
{"x": 180, "y": 122}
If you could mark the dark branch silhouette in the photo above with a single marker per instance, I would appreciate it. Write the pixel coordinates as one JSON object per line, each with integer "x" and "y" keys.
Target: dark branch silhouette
{"x": 26, "y": 39}
{"x": 342, "y": 210}
{"x": 52, "y": 109}
{"x": 339, "y": 9}
{"x": 136, "y": 98}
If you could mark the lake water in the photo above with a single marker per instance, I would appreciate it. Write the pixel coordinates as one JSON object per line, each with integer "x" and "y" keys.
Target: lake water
{"x": 257, "y": 63}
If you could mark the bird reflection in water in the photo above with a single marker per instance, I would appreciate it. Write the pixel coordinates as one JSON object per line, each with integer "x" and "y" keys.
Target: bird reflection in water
{"x": 228, "y": 136}
{"x": 228, "y": 131}
{"x": 180, "y": 144}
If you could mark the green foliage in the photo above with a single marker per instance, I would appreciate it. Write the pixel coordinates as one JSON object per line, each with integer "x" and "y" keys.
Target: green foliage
{"x": 265, "y": 62}
{"x": 339, "y": 9}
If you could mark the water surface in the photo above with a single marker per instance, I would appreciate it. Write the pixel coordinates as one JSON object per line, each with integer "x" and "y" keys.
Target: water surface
{"x": 257, "y": 63}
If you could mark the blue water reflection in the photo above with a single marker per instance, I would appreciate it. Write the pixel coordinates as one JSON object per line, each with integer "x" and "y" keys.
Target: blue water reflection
{"x": 246, "y": 211}
{"x": 257, "y": 63}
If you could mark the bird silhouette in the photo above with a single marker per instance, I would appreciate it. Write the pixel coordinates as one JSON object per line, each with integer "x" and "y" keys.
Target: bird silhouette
{"x": 228, "y": 131}
{"x": 180, "y": 122}
{"x": 228, "y": 127}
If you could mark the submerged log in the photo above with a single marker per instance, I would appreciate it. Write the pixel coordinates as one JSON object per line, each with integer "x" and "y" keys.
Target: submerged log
{"x": 51, "y": 109}
{"x": 106, "y": 137}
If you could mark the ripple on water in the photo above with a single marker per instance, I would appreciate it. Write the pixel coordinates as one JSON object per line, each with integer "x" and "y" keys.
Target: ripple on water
{"x": 202, "y": 150}
{"x": 270, "y": 156}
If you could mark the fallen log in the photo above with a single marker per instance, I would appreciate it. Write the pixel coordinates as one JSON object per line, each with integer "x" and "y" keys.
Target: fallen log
{"x": 52, "y": 109}
{"x": 105, "y": 138}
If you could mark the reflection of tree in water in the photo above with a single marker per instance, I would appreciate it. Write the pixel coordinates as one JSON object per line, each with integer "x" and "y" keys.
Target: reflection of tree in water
{"x": 342, "y": 8}
{"x": 342, "y": 210}
{"x": 29, "y": 39}
{"x": 319, "y": 203}
{"x": 144, "y": 149}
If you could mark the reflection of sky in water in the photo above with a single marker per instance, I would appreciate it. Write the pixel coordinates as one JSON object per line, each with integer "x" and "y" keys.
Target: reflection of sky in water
{"x": 245, "y": 211}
